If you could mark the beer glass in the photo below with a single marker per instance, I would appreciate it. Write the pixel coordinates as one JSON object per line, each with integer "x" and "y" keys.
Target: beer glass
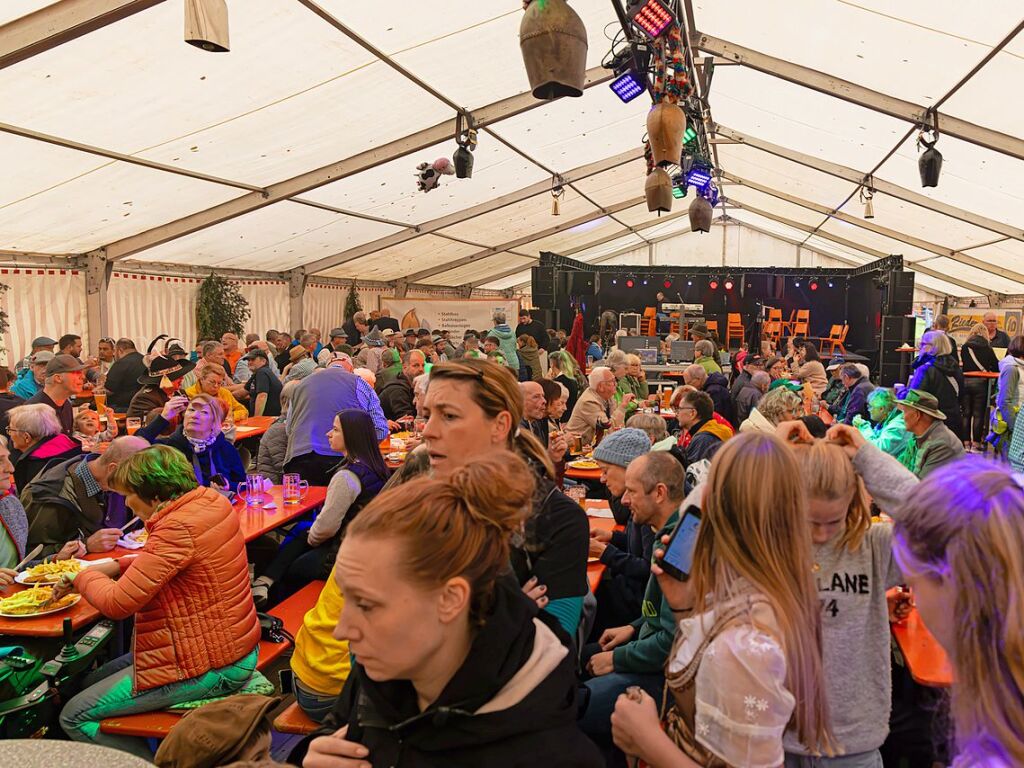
{"x": 295, "y": 488}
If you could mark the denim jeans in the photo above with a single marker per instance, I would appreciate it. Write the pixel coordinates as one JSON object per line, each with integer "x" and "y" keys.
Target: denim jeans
{"x": 872, "y": 759}
{"x": 605, "y": 690}
{"x": 107, "y": 692}
{"x": 316, "y": 705}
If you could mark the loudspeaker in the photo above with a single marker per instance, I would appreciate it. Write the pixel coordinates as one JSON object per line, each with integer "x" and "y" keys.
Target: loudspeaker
{"x": 900, "y": 299}
{"x": 542, "y": 287}
{"x": 576, "y": 283}
{"x": 551, "y": 318}
{"x": 897, "y": 331}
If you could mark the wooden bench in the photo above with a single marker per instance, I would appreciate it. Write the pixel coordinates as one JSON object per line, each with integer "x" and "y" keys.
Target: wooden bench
{"x": 294, "y": 720}
{"x": 157, "y": 724}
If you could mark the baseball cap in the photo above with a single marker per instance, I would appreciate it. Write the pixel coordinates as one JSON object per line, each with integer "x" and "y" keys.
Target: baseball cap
{"x": 253, "y": 354}
{"x": 43, "y": 341}
{"x": 387, "y": 333}
{"x": 64, "y": 364}
{"x": 836, "y": 362}
{"x": 756, "y": 360}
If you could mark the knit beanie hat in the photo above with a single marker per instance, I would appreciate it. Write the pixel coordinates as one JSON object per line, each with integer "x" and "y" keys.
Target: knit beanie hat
{"x": 622, "y": 446}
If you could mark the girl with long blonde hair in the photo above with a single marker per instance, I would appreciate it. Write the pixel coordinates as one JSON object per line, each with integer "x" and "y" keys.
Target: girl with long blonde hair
{"x": 960, "y": 544}
{"x": 747, "y": 658}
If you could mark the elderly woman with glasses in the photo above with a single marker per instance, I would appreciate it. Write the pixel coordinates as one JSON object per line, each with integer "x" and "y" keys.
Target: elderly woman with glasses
{"x": 35, "y": 434}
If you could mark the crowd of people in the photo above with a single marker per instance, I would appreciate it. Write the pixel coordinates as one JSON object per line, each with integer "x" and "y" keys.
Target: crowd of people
{"x": 456, "y": 624}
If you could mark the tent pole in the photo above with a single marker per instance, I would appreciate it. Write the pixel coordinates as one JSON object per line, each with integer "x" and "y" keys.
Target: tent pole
{"x": 296, "y": 288}
{"x": 97, "y": 282}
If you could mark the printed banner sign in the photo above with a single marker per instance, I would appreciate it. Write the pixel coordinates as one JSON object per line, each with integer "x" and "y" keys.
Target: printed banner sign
{"x": 962, "y": 320}
{"x": 455, "y": 315}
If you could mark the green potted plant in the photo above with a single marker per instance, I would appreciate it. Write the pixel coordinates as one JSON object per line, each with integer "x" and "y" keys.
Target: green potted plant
{"x": 220, "y": 308}
{"x": 352, "y": 302}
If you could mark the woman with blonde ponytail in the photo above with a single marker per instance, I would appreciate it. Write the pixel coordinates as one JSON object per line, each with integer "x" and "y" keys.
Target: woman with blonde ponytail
{"x": 747, "y": 658}
{"x": 453, "y": 664}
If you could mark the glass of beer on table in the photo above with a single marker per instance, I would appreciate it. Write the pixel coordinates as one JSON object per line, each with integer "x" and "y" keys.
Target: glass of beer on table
{"x": 99, "y": 397}
{"x": 132, "y": 425}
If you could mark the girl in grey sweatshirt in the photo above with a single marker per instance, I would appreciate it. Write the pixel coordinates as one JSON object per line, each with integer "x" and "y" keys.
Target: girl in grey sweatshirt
{"x": 854, "y": 567}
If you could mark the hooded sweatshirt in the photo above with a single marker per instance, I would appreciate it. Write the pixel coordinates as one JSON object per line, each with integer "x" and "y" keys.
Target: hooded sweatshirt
{"x": 942, "y": 377}
{"x": 512, "y": 703}
{"x": 509, "y": 348}
{"x": 1010, "y": 392}
{"x": 26, "y": 385}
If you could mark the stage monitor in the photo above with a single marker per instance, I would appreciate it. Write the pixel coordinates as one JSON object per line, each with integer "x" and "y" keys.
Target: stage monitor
{"x": 648, "y": 356}
{"x": 632, "y": 344}
{"x": 681, "y": 352}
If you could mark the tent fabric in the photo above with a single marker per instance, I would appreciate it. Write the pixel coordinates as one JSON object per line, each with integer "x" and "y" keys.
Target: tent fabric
{"x": 295, "y": 94}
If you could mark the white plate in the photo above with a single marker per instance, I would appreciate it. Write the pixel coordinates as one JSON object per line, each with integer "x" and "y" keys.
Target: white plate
{"x": 586, "y": 465}
{"x": 72, "y": 604}
{"x": 20, "y": 578}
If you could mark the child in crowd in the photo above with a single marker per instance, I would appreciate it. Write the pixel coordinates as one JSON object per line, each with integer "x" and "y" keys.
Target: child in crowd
{"x": 88, "y": 428}
{"x": 235, "y": 729}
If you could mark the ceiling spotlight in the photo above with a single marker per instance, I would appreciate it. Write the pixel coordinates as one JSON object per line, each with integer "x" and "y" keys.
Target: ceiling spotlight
{"x": 629, "y": 283}
{"x": 206, "y": 25}
{"x": 689, "y": 283}
{"x": 831, "y": 284}
{"x": 713, "y": 285}
{"x": 813, "y": 285}
{"x": 645, "y": 281}
{"x": 615, "y": 281}
{"x": 867, "y": 195}
{"x": 699, "y": 175}
{"x": 728, "y": 283}
{"x": 929, "y": 163}
{"x": 651, "y": 17}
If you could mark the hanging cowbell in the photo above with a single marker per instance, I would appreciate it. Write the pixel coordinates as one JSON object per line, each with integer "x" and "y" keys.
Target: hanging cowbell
{"x": 929, "y": 163}
{"x": 553, "y": 41}
{"x": 666, "y": 125}
{"x": 700, "y": 215}
{"x": 658, "y": 190}
{"x": 463, "y": 157}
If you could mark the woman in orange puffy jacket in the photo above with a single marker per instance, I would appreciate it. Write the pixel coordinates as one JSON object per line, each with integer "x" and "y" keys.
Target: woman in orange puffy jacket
{"x": 196, "y": 629}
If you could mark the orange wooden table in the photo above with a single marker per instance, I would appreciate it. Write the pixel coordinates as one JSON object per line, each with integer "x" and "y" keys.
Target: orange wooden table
{"x": 256, "y": 521}
{"x": 254, "y": 426}
{"x": 582, "y": 474}
{"x": 595, "y": 570}
{"x": 926, "y": 659}
{"x": 51, "y": 625}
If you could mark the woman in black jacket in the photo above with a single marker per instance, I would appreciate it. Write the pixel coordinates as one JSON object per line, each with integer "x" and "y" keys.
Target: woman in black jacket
{"x": 452, "y": 664}
{"x": 977, "y": 355}
{"x": 936, "y": 370}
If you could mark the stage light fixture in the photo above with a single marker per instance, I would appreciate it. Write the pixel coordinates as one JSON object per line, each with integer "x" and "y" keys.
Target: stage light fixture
{"x": 630, "y": 283}
{"x": 689, "y": 283}
{"x": 667, "y": 284}
{"x": 627, "y": 86}
{"x": 615, "y": 281}
{"x": 797, "y": 282}
{"x": 689, "y": 134}
{"x": 651, "y": 17}
{"x": 645, "y": 281}
{"x": 699, "y": 176}
{"x": 728, "y": 284}
{"x": 813, "y": 285}
{"x": 713, "y": 285}
{"x": 831, "y": 284}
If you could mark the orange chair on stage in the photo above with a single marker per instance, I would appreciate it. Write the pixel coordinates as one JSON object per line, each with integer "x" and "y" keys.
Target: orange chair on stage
{"x": 772, "y": 328}
{"x": 649, "y": 324}
{"x": 802, "y": 323}
{"x": 734, "y": 329}
{"x": 836, "y": 339}
{"x": 712, "y": 327}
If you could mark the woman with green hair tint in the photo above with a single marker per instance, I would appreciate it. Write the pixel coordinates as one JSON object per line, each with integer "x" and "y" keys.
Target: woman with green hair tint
{"x": 196, "y": 629}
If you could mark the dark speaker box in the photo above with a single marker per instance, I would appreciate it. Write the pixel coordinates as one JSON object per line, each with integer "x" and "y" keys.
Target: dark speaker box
{"x": 551, "y": 318}
{"x": 897, "y": 331}
{"x": 542, "y": 280}
{"x": 575, "y": 283}
{"x": 901, "y": 293}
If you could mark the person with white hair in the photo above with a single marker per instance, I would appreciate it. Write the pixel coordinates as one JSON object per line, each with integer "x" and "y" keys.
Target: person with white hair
{"x": 594, "y": 411}
{"x": 366, "y": 375}
{"x": 507, "y": 338}
{"x": 654, "y": 426}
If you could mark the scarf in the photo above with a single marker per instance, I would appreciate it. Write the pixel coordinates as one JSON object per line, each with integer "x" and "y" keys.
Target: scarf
{"x": 200, "y": 446}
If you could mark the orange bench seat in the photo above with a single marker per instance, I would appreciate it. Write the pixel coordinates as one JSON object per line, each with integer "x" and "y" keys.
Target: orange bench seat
{"x": 294, "y": 720}
{"x": 157, "y": 724}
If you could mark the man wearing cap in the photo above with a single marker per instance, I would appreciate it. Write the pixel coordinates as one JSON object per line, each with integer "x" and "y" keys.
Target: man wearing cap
{"x": 750, "y": 367}
{"x": 440, "y": 348}
{"x": 635, "y": 654}
{"x": 934, "y": 443}
{"x": 300, "y": 365}
{"x": 626, "y": 554}
{"x": 123, "y": 377}
{"x": 699, "y": 332}
{"x": 65, "y": 376}
{"x": 39, "y": 344}
{"x": 835, "y": 390}
{"x": 263, "y": 386}
{"x": 32, "y": 377}
{"x": 338, "y": 336}
{"x": 390, "y": 337}
{"x": 470, "y": 343}
{"x": 408, "y": 341}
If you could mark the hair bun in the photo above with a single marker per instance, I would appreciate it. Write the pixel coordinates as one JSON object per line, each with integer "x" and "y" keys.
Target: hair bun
{"x": 495, "y": 490}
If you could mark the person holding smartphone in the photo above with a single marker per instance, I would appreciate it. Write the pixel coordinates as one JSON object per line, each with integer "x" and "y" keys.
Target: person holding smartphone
{"x": 746, "y": 662}
{"x": 635, "y": 654}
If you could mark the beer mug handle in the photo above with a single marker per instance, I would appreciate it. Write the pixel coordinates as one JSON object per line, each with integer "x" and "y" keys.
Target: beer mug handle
{"x": 242, "y": 490}
{"x": 303, "y": 488}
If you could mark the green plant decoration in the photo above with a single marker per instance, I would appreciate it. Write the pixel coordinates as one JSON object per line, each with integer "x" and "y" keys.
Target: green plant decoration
{"x": 352, "y": 303}
{"x": 220, "y": 308}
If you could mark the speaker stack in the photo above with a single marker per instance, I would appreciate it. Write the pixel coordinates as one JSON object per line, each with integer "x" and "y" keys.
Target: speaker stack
{"x": 897, "y": 331}
{"x": 542, "y": 288}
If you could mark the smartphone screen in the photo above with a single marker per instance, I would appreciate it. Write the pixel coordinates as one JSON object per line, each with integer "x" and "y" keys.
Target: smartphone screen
{"x": 679, "y": 555}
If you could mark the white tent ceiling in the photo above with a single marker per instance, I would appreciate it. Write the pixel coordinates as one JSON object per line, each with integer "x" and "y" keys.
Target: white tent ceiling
{"x": 297, "y": 148}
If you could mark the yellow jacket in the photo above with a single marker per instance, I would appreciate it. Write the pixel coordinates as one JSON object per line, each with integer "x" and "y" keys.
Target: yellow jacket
{"x": 319, "y": 661}
{"x": 231, "y": 405}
